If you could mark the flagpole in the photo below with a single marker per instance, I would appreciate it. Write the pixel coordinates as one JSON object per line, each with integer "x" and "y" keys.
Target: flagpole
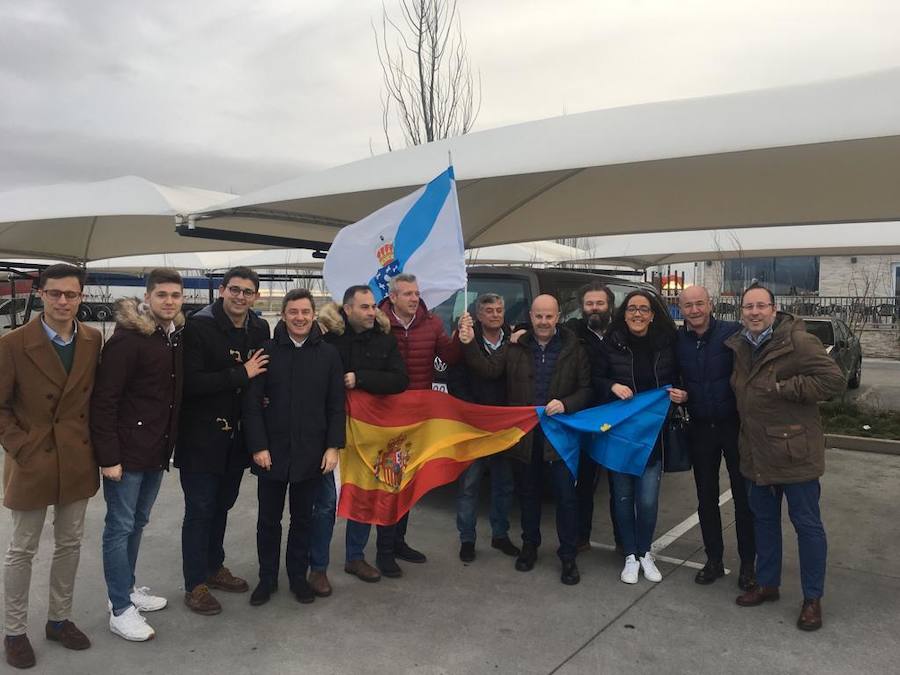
{"x": 466, "y": 285}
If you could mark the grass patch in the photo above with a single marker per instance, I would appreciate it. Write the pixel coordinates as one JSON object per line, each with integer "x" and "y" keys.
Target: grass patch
{"x": 849, "y": 419}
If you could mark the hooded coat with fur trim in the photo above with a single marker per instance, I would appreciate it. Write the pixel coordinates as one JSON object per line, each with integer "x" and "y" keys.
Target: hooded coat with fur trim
{"x": 137, "y": 394}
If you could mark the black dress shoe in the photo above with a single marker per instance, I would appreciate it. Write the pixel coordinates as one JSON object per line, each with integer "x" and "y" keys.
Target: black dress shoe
{"x": 747, "y": 577}
{"x": 504, "y": 545}
{"x": 388, "y": 566}
{"x": 570, "y": 575}
{"x": 262, "y": 593}
{"x": 406, "y": 552}
{"x": 303, "y": 591}
{"x": 527, "y": 558}
{"x": 712, "y": 570}
{"x": 467, "y": 551}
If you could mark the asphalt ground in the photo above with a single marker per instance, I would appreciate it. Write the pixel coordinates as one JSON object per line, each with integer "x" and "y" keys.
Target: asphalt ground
{"x": 880, "y": 386}
{"x": 485, "y": 617}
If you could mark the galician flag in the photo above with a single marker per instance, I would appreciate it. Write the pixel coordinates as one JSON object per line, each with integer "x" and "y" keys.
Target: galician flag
{"x": 419, "y": 234}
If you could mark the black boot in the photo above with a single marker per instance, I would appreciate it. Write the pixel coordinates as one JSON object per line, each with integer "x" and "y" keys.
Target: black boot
{"x": 263, "y": 592}
{"x": 527, "y": 558}
{"x": 406, "y": 552}
{"x": 747, "y": 577}
{"x": 504, "y": 545}
{"x": 388, "y": 566}
{"x": 712, "y": 570}
{"x": 570, "y": 575}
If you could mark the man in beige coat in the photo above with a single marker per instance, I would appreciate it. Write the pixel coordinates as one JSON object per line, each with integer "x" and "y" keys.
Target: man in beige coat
{"x": 46, "y": 377}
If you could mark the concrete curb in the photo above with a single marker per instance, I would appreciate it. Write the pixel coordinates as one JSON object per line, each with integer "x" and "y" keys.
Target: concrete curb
{"x": 881, "y": 446}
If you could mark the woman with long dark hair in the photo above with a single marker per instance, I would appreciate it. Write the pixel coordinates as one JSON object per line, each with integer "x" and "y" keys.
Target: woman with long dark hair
{"x": 639, "y": 353}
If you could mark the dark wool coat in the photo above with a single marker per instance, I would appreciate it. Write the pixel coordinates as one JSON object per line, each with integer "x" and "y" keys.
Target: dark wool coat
{"x": 210, "y": 438}
{"x": 44, "y": 418}
{"x": 305, "y": 412}
{"x": 134, "y": 409}
{"x": 420, "y": 343}
{"x": 570, "y": 383}
{"x": 778, "y": 393}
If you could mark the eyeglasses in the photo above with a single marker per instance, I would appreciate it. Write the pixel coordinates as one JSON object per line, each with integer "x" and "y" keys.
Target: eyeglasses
{"x": 55, "y": 294}
{"x": 636, "y": 309}
{"x": 237, "y": 290}
{"x": 758, "y": 306}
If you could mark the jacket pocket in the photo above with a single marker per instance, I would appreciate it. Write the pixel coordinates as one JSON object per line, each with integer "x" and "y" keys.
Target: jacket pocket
{"x": 792, "y": 440}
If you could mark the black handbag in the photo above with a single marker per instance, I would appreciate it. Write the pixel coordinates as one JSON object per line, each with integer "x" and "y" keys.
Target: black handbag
{"x": 676, "y": 441}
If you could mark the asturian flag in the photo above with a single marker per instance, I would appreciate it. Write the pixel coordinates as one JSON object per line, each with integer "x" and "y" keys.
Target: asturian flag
{"x": 419, "y": 234}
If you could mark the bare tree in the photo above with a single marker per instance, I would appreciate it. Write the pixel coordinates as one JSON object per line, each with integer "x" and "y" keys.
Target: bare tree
{"x": 428, "y": 84}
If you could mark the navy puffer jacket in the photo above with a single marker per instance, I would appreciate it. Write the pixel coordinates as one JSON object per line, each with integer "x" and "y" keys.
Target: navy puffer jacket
{"x": 706, "y": 364}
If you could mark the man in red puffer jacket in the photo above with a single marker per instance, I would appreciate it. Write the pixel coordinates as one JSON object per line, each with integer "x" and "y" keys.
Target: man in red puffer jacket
{"x": 421, "y": 337}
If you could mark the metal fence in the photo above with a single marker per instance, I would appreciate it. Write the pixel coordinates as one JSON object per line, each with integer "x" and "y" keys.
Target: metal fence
{"x": 881, "y": 311}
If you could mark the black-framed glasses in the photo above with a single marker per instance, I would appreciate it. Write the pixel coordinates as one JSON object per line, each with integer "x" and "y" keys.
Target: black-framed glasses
{"x": 638, "y": 309}
{"x": 237, "y": 290}
{"x": 56, "y": 294}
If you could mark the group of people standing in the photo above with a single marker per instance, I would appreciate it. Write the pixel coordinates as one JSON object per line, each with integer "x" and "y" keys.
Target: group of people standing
{"x": 223, "y": 393}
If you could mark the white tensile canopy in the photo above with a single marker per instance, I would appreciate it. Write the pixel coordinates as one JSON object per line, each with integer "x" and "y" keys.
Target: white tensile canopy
{"x": 646, "y": 250}
{"x": 827, "y": 152}
{"x": 89, "y": 221}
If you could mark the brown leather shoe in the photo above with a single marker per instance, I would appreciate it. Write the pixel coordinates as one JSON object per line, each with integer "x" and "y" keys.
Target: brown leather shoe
{"x": 201, "y": 601}
{"x": 757, "y": 596}
{"x": 224, "y": 580}
{"x": 319, "y": 583}
{"x": 67, "y": 635}
{"x": 810, "y": 615}
{"x": 363, "y": 570}
{"x": 19, "y": 653}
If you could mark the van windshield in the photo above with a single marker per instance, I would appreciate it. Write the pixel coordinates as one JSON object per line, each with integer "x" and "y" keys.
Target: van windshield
{"x": 515, "y": 293}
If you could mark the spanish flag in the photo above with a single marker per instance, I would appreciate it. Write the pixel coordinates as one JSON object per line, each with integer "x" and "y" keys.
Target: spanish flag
{"x": 401, "y": 446}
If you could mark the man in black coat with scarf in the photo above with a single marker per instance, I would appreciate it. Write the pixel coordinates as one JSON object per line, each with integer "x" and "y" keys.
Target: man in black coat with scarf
{"x": 293, "y": 439}
{"x": 221, "y": 356}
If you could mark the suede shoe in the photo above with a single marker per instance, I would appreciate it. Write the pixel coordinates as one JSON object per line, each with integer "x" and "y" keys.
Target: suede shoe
{"x": 406, "y": 552}
{"x": 810, "y": 615}
{"x": 712, "y": 570}
{"x": 527, "y": 558}
{"x": 262, "y": 593}
{"x": 303, "y": 591}
{"x": 505, "y": 546}
{"x": 570, "y": 575}
{"x": 201, "y": 601}
{"x": 224, "y": 580}
{"x": 19, "y": 653}
{"x": 363, "y": 571}
{"x": 757, "y": 596}
{"x": 388, "y": 566}
{"x": 320, "y": 584}
{"x": 747, "y": 577}
{"x": 67, "y": 634}
{"x": 467, "y": 551}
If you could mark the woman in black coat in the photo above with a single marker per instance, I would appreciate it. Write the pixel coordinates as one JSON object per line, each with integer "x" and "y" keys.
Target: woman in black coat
{"x": 293, "y": 438}
{"x": 638, "y": 355}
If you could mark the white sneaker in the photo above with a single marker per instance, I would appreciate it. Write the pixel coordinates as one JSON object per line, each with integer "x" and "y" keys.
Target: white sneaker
{"x": 651, "y": 573}
{"x": 630, "y": 571}
{"x": 131, "y": 626}
{"x": 143, "y": 601}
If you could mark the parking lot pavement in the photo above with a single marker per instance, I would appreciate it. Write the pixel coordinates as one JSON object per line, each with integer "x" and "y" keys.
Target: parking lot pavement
{"x": 880, "y": 386}
{"x": 484, "y": 617}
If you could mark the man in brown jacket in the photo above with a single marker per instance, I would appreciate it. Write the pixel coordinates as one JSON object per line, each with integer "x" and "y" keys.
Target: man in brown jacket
{"x": 547, "y": 366}
{"x": 781, "y": 372}
{"x": 46, "y": 376}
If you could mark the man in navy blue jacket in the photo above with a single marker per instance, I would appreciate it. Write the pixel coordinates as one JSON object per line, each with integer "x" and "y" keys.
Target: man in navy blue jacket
{"x": 706, "y": 365}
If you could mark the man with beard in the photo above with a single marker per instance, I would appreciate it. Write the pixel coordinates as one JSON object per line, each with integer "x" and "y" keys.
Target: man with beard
{"x": 597, "y": 305}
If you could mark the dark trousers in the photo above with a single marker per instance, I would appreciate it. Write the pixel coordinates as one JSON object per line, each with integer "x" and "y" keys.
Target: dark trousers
{"x": 588, "y": 479}
{"x": 710, "y": 441}
{"x": 207, "y": 499}
{"x": 271, "y": 494}
{"x": 400, "y": 529}
{"x": 530, "y": 485}
{"x": 803, "y": 509}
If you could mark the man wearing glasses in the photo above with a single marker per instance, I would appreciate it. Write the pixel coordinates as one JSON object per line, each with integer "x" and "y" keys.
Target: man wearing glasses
{"x": 221, "y": 356}
{"x": 781, "y": 372}
{"x": 47, "y": 370}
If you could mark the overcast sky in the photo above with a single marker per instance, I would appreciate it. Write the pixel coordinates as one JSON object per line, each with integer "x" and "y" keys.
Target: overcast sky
{"x": 235, "y": 95}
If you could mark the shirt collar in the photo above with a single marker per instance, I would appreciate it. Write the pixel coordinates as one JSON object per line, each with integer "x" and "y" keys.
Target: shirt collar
{"x": 298, "y": 344}
{"x": 400, "y": 321}
{"x": 493, "y": 346}
{"x": 758, "y": 340}
{"x": 56, "y": 337}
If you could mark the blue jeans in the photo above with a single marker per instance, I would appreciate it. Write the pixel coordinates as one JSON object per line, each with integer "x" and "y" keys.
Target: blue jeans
{"x": 358, "y": 536}
{"x": 128, "y": 504}
{"x": 803, "y": 509}
{"x": 322, "y": 523}
{"x": 636, "y": 506}
{"x": 207, "y": 499}
{"x": 501, "y": 497}
{"x": 530, "y": 478}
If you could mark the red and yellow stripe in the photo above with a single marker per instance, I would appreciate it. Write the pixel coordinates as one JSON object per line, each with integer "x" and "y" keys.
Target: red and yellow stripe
{"x": 399, "y": 447}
